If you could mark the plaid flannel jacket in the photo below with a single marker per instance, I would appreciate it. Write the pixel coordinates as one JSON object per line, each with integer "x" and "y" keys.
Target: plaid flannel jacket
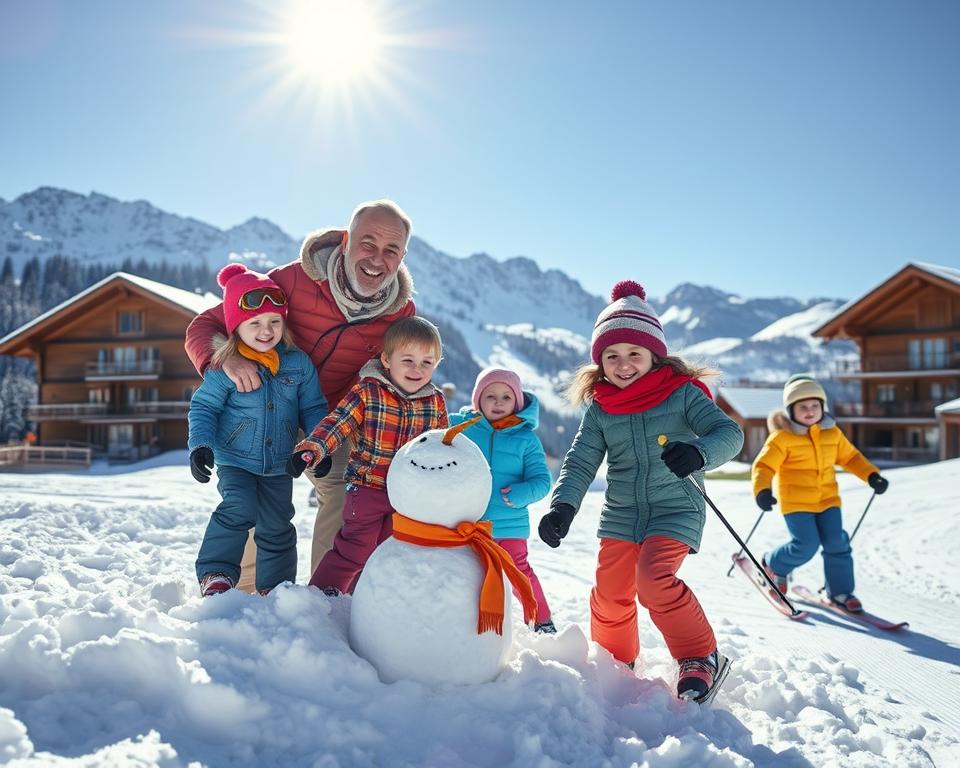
{"x": 381, "y": 419}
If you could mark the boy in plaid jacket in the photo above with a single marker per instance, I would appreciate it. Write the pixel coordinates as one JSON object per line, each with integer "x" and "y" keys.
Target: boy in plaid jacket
{"x": 393, "y": 402}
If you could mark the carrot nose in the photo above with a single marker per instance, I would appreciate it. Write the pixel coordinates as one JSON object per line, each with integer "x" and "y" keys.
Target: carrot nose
{"x": 454, "y": 431}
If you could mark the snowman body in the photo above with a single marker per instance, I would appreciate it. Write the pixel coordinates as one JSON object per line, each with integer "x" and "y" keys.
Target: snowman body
{"x": 415, "y": 608}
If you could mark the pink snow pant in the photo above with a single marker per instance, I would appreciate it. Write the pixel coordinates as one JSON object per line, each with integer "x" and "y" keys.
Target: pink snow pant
{"x": 517, "y": 549}
{"x": 367, "y": 521}
{"x": 627, "y": 572}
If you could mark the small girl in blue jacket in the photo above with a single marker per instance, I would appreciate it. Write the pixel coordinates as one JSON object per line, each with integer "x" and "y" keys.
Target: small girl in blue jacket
{"x": 249, "y": 436}
{"x": 507, "y": 437}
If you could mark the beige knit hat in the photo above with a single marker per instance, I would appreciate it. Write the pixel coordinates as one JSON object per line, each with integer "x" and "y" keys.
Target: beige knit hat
{"x": 802, "y": 386}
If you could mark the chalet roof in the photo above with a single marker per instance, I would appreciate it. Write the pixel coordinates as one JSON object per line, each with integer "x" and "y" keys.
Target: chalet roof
{"x": 194, "y": 303}
{"x": 951, "y": 406}
{"x": 947, "y": 274}
{"x": 752, "y": 402}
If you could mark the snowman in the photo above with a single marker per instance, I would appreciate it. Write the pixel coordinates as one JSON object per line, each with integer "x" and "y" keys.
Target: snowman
{"x": 432, "y": 604}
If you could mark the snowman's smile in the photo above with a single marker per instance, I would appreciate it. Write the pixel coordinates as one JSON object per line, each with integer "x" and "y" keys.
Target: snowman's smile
{"x": 439, "y": 466}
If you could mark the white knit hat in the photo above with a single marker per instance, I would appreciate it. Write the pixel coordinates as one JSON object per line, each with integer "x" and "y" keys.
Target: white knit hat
{"x": 802, "y": 386}
{"x": 628, "y": 319}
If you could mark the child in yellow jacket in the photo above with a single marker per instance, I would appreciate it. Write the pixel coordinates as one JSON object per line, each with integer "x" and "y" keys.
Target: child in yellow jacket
{"x": 804, "y": 445}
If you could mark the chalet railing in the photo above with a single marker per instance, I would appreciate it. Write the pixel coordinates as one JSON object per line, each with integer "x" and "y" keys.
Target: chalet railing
{"x": 936, "y": 361}
{"x": 907, "y": 455}
{"x": 107, "y": 368}
{"x": 922, "y": 408}
{"x": 82, "y": 410}
{"x": 40, "y": 456}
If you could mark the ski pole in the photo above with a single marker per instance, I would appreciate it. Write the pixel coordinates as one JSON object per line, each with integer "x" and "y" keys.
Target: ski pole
{"x": 662, "y": 440}
{"x": 866, "y": 509}
{"x": 740, "y": 553}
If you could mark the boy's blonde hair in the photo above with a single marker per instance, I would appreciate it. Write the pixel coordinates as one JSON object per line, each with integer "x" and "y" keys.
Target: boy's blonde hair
{"x": 580, "y": 389}
{"x": 414, "y": 330}
{"x": 229, "y": 347}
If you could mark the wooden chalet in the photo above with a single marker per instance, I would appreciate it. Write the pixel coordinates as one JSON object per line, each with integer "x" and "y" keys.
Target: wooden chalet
{"x": 908, "y": 332}
{"x": 112, "y": 372}
{"x": 749, "y": 407}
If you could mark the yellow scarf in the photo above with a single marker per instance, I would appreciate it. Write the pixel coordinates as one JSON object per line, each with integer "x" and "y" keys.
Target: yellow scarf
{"x": 269, "y": 360}
{"x": 493, "y": 557}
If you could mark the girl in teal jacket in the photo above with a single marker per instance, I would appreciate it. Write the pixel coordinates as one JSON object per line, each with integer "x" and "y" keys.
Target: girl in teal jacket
{"x": 652, "y": 517}
{"x": 507, "y": 437}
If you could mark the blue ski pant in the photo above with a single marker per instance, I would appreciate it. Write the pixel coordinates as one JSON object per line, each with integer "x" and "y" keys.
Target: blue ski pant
{"x": 251, "y": 501}
{"x": 808, "y": 532}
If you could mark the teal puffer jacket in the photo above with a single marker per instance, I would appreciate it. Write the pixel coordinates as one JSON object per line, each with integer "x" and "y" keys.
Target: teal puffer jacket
{"x": 516, "y": 458}
{"x": 643, "y": 497}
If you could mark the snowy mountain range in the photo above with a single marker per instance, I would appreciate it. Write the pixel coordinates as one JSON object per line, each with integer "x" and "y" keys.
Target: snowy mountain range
{"x": 507, "y": 312}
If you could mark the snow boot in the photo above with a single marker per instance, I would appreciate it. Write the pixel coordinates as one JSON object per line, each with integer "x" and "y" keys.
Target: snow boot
{"x": 696, "y": 676}
{"x": 847, "y": 602}
{"x": 215, "y": 583}
{"x": 545, "y": 627}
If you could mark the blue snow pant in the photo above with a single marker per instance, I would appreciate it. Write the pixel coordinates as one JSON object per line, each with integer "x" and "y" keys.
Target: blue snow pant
{"x": 808, "y": 531}
{"x": 251, "y": 501}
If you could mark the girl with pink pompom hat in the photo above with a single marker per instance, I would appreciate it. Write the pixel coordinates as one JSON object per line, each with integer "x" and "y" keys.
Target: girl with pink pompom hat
{"x": 249, "y": 435}
{"x": 651, "y": 518}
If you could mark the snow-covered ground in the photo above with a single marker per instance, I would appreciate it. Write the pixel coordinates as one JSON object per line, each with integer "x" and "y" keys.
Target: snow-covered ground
{"x": 108, "y": 657}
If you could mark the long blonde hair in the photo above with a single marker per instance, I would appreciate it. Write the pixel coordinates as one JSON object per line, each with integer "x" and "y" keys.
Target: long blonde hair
{"x": 580, "y": 389}
{"x": 229, "y": 346}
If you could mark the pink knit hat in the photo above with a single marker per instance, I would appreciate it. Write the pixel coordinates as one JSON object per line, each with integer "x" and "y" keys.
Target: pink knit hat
{"x": 489, "y": 376}
{"x": 237, "y": 281}
{"x": 628, "y": 319}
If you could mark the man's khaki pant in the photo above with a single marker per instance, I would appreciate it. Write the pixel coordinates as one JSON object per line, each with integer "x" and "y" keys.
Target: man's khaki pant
{"x": 330, "y": 495}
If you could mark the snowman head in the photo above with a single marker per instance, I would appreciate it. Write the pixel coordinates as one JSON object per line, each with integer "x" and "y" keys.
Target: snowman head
{"x": 440, "y": 477}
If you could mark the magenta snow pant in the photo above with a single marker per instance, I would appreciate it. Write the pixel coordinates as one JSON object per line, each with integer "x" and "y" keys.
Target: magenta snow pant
{"x": 367, "y": 521}
{"x": 517, "y": 549}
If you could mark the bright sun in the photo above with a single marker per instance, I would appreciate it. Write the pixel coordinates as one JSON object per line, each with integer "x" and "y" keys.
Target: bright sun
{"x": 333, "y": 44}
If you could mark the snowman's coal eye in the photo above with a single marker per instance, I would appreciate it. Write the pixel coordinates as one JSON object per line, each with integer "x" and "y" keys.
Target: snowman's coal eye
{"x": 423, "y": 439}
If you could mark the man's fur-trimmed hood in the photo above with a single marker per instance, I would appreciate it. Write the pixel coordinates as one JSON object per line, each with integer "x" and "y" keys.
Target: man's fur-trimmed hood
{"x": 321, "y": 244}
{"x": 781, "y": 420}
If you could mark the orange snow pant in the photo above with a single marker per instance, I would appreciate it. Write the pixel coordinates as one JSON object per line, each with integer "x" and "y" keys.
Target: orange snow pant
{"x": 627, "y": 572}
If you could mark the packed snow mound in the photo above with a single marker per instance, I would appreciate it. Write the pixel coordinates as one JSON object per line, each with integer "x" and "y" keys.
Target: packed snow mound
{"x": 109, "y": 657}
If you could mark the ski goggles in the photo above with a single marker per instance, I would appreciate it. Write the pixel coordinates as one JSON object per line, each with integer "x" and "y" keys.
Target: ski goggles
{"x": 259, "y": 296}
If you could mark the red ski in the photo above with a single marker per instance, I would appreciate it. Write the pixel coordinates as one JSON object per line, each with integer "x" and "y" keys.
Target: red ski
{"x": 750, "y": 571}
{"x": 867, "y": 618}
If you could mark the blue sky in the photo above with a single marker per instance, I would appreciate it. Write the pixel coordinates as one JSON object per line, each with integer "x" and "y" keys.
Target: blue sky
{"x": 807, "y": 149}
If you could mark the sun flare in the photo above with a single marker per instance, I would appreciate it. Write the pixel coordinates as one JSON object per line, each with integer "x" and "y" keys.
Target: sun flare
{"x": 331, "y": 43}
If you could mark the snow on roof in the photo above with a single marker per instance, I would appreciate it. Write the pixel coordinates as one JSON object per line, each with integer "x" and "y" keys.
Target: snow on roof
{"x": 193, "y": 302}
{"x": 948, "y": 407}
{"x": 945, "y": 273}
{"x": 753, "y": 402}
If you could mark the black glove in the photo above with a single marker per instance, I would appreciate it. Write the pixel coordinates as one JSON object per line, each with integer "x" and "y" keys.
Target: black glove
{"x": 878, "y": 483}
{"x": 322, "y": 467}
{"x": 556, "y": 524}
{"x": 682, "y": 458}
{"x": 766, "y": 500}
{"x": 201, "y": 462}
{"x": 296, "y": 463}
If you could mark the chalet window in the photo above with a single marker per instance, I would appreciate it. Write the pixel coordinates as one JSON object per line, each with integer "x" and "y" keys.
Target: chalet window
{"x": 130, "y": 323}
{"x": 934, "y": 353}
{"x": 886, "y": 393}
{"x": 914, "y": 359}
{"x": 936, "y": 391}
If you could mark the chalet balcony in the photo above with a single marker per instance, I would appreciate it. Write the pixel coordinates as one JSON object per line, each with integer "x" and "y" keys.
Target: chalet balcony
{"x": 936, "y": 364}
{"x": 106, "y": 412}
{"x": 895, "y": 410}
{"x": 123, "y": 370}
{"x": 900, "y": 455}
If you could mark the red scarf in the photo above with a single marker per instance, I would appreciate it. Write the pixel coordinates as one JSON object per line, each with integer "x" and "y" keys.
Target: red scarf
{"x": 648, "y": 391}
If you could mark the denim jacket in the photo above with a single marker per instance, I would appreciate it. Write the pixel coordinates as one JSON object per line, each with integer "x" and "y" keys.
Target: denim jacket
{"x": 256, "y": 431}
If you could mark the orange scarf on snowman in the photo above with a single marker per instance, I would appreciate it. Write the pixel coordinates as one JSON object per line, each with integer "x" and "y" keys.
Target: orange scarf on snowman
{"x": 492, "y": 556}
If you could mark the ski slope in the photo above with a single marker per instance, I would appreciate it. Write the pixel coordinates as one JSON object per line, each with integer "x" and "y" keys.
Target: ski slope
{"x": 108, "y": 657}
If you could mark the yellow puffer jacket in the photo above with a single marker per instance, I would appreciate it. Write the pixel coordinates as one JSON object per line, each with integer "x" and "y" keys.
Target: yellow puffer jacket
{"x": 803, "y": 460}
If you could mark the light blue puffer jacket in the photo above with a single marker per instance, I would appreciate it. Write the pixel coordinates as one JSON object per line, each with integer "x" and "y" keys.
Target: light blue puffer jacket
{"x": 516, "y": 458}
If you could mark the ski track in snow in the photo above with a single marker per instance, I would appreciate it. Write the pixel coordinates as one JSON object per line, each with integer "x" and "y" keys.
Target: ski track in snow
{"x": 107, "y": 656}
